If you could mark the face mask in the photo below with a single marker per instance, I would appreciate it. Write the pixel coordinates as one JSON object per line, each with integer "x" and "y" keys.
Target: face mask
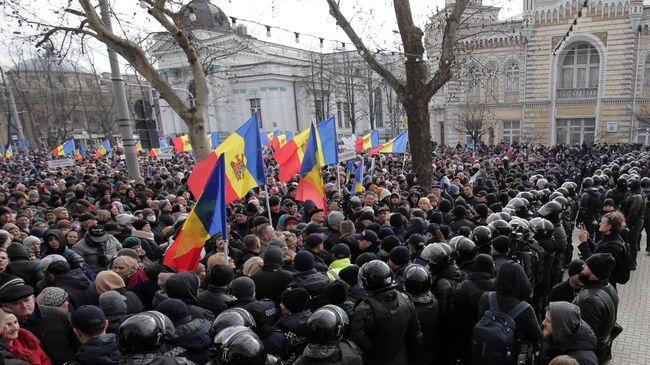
{"x": 151, "y": 218}
{"x": 584, "y": 278}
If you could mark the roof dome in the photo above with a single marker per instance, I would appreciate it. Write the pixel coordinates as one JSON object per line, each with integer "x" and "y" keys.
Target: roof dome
{"x": 208, "y": 17}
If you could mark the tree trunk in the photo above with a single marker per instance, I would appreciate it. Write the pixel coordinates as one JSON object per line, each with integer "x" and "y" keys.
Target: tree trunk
{"x": 196, "y": 133}
{"x": 419, "y": 135}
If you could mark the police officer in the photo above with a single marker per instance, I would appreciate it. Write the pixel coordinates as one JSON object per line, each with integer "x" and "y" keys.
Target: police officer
{"x": 385, "y": 324}
{"x": 140, "y": 337}
{"x": 417, "y": 284}
{"x": 239, "y": 345}
{"x": 327, "y": 326}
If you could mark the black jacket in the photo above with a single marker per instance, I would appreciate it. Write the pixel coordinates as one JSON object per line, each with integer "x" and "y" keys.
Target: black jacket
{"x": 612, "y": 244}
{"x": 562, "y": 292}
{"x": 598, "y": 302}
{"x": 243, "y": 257}
{"x": 215, "y": 299}
{"x": 270, "y": 282}
{"x": 191, "y": 341}
{"x": 294, "y": 329}
{"x": 80, "y": 290}
{"x": 100, "y": 350}
{"x": 53, "y": 329}
{"x": 20, "y": 265}
{"x": 467, "y": 296}
{"x": 385, "y": 326}
{"x": 590, "y": 204}
{"x": 346, "y": 353}
{"x": 428, "y": 315}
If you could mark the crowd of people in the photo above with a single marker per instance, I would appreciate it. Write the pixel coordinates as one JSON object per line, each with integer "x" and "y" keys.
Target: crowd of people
{"x": 479, "y": 268}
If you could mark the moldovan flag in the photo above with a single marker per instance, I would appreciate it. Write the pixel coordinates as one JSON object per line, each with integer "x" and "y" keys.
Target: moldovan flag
{"x": 310, "y": 186}
{"x": 242, "y": 152}
{"x": 103, "y": 149}
{"x": 395, "y": 145}
{"x": 213, "y": 140}
{"x": 207, "y": 218}
{"x": 64, "y": 149}
{"x": 79, "y": 153}
{"x": 182, "y": 143}
{"x": 278, "y": 141}
{"x": 9, "y": 152}
{"x": 368, "y": 141}
{"x": 2, "y": 151}
{"x": 357, "y": 186}
{"x": 290, "y": 156}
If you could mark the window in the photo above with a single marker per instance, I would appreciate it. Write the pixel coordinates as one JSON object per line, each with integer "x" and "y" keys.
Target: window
{"x": 339, "y": 114}
{"x": 473, "y": 85}
{"x": 319, "y": 110}
{"x": 346, "y": 114}
{"x": 379, "y": 111}
{"x": 442, "y": 132}
{"x": 512, "y": 78}
{"x": 646, "y": 75}
{"x": 580, "y": 68}
{"x": 256, "y": 107}
{"x": 643, "y": 137}
{"x": 576, "y": 131}
{"x": 511, "y": 131}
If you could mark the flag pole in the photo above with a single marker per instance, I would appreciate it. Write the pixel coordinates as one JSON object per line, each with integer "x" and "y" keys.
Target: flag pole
{"x": 225, "y": 249}
{"x": 268, "y": 205}
{"x": 338, "y": 177}
{"x": 404, "y": 162}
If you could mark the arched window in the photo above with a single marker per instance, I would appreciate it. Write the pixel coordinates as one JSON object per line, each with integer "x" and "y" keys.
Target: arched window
{"x": 580, "y": 68}
{"x": 492, "y": 82}
{"x": 512, "y": 77}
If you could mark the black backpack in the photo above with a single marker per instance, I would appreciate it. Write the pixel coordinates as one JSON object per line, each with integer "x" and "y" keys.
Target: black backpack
{"x": 622, "y": 272}
{"x": 493, "y": 337}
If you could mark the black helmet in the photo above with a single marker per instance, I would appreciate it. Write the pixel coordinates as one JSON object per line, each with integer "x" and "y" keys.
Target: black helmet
{"x": 143, "y": 333}
{"x": 243, "y": 348}
{"x": 375, "y": 275}
{"x": 526, "y": 195}
{"x": 562, "y": 190}
{"x": 562, "y": 200}
{"x": 517, "y": 204}
{"x": 550, "y": 208}
{"x": 417, "y": 283}
{"x": 440, "y": 253}
{"x": 621, "y": 183}
{"x": 541, "y": 227}
{"x": 466, "y": 250}
{"x": 554, "y": 195}
{"x": 232, "y": 317}
{"x": 570, "y": 186}
{"x": 327, "y": 325}
{"x": 219, "y": 339}
{"x": 645, "y": 182}
{"x": 499, "y": 228}
{"x": 587, "y": 183}
{"x": 482, "y": 235}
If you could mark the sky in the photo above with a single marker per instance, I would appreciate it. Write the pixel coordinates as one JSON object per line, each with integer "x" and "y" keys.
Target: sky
{"x": 373, "y": 19}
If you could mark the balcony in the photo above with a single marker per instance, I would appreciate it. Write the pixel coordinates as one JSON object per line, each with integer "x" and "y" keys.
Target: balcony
{"x": 585, "y": 93}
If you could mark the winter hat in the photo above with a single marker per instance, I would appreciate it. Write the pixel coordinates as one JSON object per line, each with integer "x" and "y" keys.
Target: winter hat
{"x": 601, "y": 264}
{"x": 88, "y": 317}
{"x": 52, "y": 297}
{"x": 97, "y": 234}
{"x": 575, "y": 267}
{"x": 31, "y": 239}
{"x": 243, "y": 287}
{"x": 453, "y": 189}
{"x": 86, "y": 217}
{"x": 138, "y": 224}
{"x": 303, "y": 261}
{"x": 484, "y": 263}
{"x": 129, "y": 252}
{"x": 9, "y": 226}
{"x": 365, "y": 257}
{"x": 416, "y": 225}
{"x": 501, "y": 244}
{"x": 131, "y": 242}
{"x": 314, "y": 240}
{"x": 335, "y": 217}
{"x": 14, "y": 289}
{"x": 124, "y": 219}
{"x": 108, "y": 280}
{"x": 459, "y": 211}
{"x": 252, "y": 265}
{"x": 176, "y": 310}
{"x": 295, "y": 300}
{"x": 390, "y": 242}
{"x": 417, "y": 240}
{"x": 400, "y": 255}
{"x": 341, "y": 251}
{"x": 609, "y": 202}
{"x": 220, "y": 275}
{"x": 385, "y": 232}
{"x": 336, "y": 293}
{"x": 16, "y": 251}
{"x": 350, "y": 274}
{"x": 47, "y": 260}
{"x": 273, "y": 257}
{"x": 424, "y": 200}
{"x": 58, "y": 268}
{"x": 113, "y": 303}
{"x": 368, "y": 235}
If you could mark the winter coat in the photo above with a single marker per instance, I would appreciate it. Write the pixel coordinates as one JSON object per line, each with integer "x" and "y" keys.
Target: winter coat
{"x": 386, "y": 328}
{"x": 562, "y": 292}
{"x": 27, "y": 348}
{"x": 590, "y": 204}
{"x": 191, "y": 341}
{"x": 467, "y": 296}
{"x": 598, "y": 302}
{"x": 428, "y": 316}
{"x": 53, "y": 329}
{"x": 270, "y": 282}
{"x": 80, "y": 290}
{"x": 89, "y": 251}
{"x": 185, "y": 286}
{"x": 99, "y": 350}
{"x": 571, "y": 336}
{"x": 612, "y": 244}
{"x": 8, "y": 357}
{"x": 215, "y": 299}
{"x": 634, "y": 208}
{"x": 294, "y": 329}
{"x": 512, "y": 287}
{"x": 311, "y": 280}
{"x": 346, "y": 353}
{"x": 20, "y": 265}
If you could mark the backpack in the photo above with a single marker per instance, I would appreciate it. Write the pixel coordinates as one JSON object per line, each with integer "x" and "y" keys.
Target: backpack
{"x": 493, "y": 337}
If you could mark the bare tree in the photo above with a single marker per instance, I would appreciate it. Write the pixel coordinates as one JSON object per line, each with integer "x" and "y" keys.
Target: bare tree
{"x": 319, "y": 84}
{"x": 476, "y": 122}
{"x": 419, "y": 85}
{"x": 348, "y": 74}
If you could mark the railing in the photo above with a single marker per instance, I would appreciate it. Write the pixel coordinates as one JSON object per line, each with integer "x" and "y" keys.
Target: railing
{"x": 590, "y": 92}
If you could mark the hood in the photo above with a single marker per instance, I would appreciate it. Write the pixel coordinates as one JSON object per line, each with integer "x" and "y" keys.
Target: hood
{"x": 583, "y": 339}
{"x": 511, "y": 280}
{"x": 183, "y": 286}
{"x": 193, "y": 336}
{"x": 565, "y": 320}
{"x": 74, "y": 279}
{"x": 99, "y": 350}
{"x": 59, "y": 235}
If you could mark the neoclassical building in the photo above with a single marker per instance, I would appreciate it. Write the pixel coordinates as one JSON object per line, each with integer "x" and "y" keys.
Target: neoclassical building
{"x": 558, "y": 73}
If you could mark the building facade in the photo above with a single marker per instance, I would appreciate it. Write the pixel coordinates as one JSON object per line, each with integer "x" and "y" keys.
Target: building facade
{"x": 560, "y": 73}
{"x": 288, "y": 87}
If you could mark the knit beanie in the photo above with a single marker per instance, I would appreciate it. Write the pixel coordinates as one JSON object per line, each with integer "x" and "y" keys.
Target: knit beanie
{"x": 303, "y": 261}
{"x": 176, "y": 310}
{"x": 113, "y": 303}
{"x": 484, "y": 263}
{"x": 400, "y": 255}
{"x": 350, "y": 274}
{"x": 243, "y": 287}
{"x": 220, "y": 275}
{"x": 131, "y": 242}
{"x": 601, "y": 264}
{"x": 575, "y": 267}
{"x": 295, "y": 300}
{"x": 501, "y": 244}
